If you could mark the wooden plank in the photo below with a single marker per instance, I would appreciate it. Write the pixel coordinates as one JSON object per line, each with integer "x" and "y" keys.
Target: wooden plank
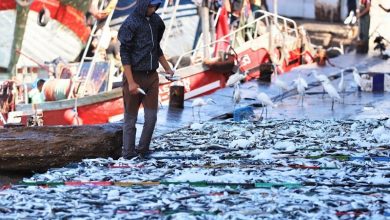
{"x": 39, "y": 148}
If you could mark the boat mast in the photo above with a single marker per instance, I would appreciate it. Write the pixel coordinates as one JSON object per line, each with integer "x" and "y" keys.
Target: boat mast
{"x": 20, "y": 27}
{"x": 204, "y": 15}
{"x": 272, "y": 28}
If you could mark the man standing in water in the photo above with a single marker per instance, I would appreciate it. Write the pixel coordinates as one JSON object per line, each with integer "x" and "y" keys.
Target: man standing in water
{"x": 140, "y": 50}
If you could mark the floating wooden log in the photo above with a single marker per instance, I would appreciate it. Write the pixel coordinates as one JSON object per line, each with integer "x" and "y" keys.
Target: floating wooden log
{"x": 40, "y": 148}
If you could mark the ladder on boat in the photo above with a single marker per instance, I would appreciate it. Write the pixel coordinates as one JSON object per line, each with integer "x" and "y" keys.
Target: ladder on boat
{"x": 82, "y": 81}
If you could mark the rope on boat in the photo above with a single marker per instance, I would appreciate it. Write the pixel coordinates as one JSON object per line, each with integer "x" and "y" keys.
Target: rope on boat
{"x": 33, "y": 60}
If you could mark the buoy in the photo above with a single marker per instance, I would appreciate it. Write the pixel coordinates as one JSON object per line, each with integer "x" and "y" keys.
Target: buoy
{"x": 72, "y": 118}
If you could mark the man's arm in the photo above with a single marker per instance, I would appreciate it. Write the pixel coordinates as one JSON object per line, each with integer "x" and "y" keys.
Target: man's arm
{"x": 133, "y": 86}
{"x": 127, "y": 70}
{"x": 164, "y": 63}
{"x": 365, "y": 11}
{"x": 125, "y": 36}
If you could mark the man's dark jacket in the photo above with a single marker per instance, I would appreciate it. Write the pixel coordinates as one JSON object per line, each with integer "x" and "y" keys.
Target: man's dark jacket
{"x": 140, "y": 39}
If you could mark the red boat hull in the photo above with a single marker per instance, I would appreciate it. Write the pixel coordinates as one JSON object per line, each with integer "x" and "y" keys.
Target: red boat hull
{"x": 67, "y": 15}
{"x": 103, "y": 107}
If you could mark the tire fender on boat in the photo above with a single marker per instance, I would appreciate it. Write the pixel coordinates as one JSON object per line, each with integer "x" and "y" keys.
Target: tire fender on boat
{"x": 43, "y": 17}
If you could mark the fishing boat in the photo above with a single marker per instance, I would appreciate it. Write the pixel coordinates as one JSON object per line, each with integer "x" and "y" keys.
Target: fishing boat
{"x": 35, "y": 30}
{"x": 28, "y": 34}
{"x": 267, "y": 38}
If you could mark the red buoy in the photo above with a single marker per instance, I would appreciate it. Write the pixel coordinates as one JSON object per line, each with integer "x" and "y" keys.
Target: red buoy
{"x": 72, "y": 118}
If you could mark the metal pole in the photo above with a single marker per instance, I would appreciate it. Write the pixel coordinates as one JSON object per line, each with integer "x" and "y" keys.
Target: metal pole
{"x": 271, "y": 37}
{"x": 205, "y": 28}
{"x": 276, "y": 11}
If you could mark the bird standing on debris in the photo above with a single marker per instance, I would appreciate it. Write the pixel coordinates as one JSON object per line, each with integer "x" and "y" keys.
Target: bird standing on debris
{"x": 332, "y": 92}
{"x": 265, "y": 102}
{"x": 320, "y": 78}
{"x": 282, "y": 85}
{"x": 199, "y": 102}
{"x": 356, "y": 77}
{"x": 236, "y": 95}
{"x": 341, "y": 86}
{"x": 237, "y": 77}
{"x": 301, "y": 85}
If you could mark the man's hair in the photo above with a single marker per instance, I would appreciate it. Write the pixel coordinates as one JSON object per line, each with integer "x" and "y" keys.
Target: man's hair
{"x": 40, "y": 82}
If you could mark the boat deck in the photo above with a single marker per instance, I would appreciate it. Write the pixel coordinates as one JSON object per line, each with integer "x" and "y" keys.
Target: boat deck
{"x": 316, "y": 105}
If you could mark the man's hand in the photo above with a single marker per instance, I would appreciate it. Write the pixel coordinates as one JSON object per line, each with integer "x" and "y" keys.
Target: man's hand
{"x": 133, "y": 88}
{"x": 170, "y": 75}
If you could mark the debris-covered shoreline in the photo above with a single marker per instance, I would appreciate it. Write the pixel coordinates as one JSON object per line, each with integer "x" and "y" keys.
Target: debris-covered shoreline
{"x": 275, "y": 169}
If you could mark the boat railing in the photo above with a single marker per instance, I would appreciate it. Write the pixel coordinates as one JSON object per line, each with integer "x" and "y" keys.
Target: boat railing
{"x": 284, "y": 25}
{"x": 197, "y": 49}
{"x": 288, "y": 24}
{"x": 81, "y": 91}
